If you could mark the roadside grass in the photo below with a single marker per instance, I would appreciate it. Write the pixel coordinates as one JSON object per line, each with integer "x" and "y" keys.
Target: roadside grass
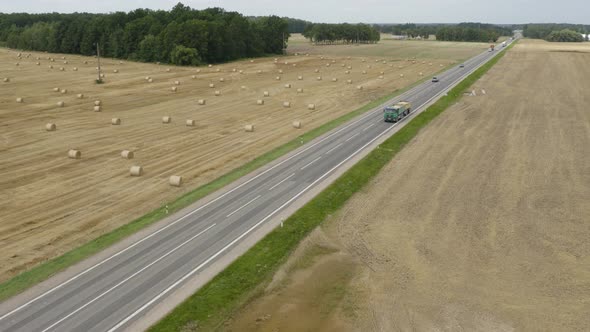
{"x": 49, "y": 268}
{"x": 242, "y": 280}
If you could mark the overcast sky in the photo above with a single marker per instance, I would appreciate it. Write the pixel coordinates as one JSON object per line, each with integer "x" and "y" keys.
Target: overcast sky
{"x": 335, "y": 11}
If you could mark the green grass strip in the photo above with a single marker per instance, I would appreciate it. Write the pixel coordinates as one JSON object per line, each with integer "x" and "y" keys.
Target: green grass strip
{"x": 211, "y": 305}
{"x": 49, "y": 268}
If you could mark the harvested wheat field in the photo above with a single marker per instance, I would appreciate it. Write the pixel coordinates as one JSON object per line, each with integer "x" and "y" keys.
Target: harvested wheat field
{"x": 63, "y": 177}
{"x": 481, "y": 223}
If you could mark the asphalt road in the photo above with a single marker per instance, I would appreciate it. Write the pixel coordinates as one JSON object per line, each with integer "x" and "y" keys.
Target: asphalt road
{"x": 112, "y": 294}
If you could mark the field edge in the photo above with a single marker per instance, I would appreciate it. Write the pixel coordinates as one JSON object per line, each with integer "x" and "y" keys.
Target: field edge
{"x": 244, "y": 278}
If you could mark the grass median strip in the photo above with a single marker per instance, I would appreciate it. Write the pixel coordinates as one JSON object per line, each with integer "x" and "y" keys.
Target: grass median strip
{"x": 45, "y": 270}
{"x": 210, "y": 306}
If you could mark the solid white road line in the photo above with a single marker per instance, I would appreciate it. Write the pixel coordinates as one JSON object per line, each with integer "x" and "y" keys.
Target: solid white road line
{"x": 334, "y": 148}
{"x": 283, "y": 180}
{"x": 195, "y": 270}
{"x": 351, "y": 137}
{"x": 243, "y": 206}
{"x": 127, "y": 279}
{"x": 313, "y": 161}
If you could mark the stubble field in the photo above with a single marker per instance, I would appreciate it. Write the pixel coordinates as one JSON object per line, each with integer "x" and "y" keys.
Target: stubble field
{"x": 50, "y": 204}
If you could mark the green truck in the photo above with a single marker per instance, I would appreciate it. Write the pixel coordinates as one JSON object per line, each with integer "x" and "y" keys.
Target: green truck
{"x": 397, "y": 112}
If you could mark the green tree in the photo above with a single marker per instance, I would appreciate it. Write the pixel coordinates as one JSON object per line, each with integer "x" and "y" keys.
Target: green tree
{"x": 185, "y": 56}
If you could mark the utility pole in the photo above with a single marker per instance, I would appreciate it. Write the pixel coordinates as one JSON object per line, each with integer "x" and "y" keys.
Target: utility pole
{"x": 98, "y": 58}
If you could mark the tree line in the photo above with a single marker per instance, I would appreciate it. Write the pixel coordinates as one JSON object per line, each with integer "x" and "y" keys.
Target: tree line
{"x": 468, "y": 31}
{"x": 543, "y": 31}
{"x": 323, "y": 33}
{"x": 182, "y": 36}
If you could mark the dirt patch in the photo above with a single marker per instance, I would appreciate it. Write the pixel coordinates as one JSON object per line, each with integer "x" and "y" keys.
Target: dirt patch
{"x": 481, "y": 222}
{"x": 50, "y": 204}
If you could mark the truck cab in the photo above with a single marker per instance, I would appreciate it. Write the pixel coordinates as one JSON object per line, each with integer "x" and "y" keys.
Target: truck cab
{"x": 397, "y": 112}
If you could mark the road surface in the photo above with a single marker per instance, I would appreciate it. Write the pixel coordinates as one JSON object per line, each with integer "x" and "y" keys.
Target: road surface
{"x": 111, "y": 295}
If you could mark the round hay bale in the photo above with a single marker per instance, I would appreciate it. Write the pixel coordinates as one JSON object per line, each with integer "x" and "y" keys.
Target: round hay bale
{"x": 136, "y": 171}
{"x": 115, "y": 71}
{"x": 127, "y": 154}
{"x": 278, "y": 78}
{"x": 297, "y": 124}
{"x": 52, "y": 60}
{"x": 55, "y": 89}
{"x": 319, "y": 78}
{"x": 150, "y": 80}
{"x": 241, "y": 71}
{"x": 300, "y": 78}
{"x": 260, "y": 102}
{"x": 349, "y": 81}
{"x": 234, "y": 70}
{"x": 175, "y": 181}
{"x": 333, "y": 61}
{"x": 74, "y": 154}
{"x": 102, "y": 75}
{"x": 221, "y": 79}
{"x": 198, "y": 70}
{"x": 349, "y": 67}
{"x": 80, "y": 96}
{"x": 201, "y": 102}
{"x": 168, "y": 70}
{"x": 420, "y": 73}
{"x": 382, "y": 73}
{"x": 97, "y": 108}
{"x": 217, "y": 93}
{"x": 62, "y": 69}
{"x": 64, "y": 91}
{"x": 363, "y": 60}
{"x": 20, "y": 100}
{"x": 60, "y": 104}
{"x": 174, "y": 89}
{"x": 342, "y": 65}
{"x": 194, "y": 77}
{"x": 97, "y": 103}
{"x": 211, "y": 85}
{"x": 327, "y": 65}
{"x": 359, "y": 87}
{"x": 85, "y": 62}
{"x": 50, "y": 67}
{"x": 120, "y": 62}
{"x": 38, "y": 63}
{"x": 190, "y": 123}
{"x": 249, "y": 128}
{"x": 75, "y": 69}
{"x": 259, "y": 71}
{"x": 6, "y": 80}
{"x": 311, "y": 107}
{"x": 63, "y": 57}
{"x": 177, "y": 82}
{"x": 280, "y": 71}
{"x": 210, "y": 66}
{"x": 430, "y": 63}
{"x": 286, "y": 104}
{"x": 347, "y": 72}
{"x": 243, "y": 87}
{"x": 115, "y": 121}
{"x": 288, "y": 86}
{"x": 147, "y": 78}
{"x": 381, "y": 77}
{"x": 364, "y": 71}
{"x": 294, "y": 65}
{"x": 166, "y": 119}
{"x": 401, "y": 75}
{"x": 50, "y": 127}
{"x": 317, "y": 70}
{"x": 441, "y": 65}
{"x": 266, "y": 94}
{"x": 299, "y": 90}
{"x": 218, "y": 70}
{"x": 334, "y": 79}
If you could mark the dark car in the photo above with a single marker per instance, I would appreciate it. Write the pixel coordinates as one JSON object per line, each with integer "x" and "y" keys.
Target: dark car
{"x": 462, "y": 65}
{"x": 435, "y": 79}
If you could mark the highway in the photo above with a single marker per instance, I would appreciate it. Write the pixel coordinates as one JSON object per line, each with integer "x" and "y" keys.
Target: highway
{"x": 111, "y": 295}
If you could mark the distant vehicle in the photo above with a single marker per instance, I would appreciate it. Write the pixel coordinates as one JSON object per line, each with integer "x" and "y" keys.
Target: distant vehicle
{"x": 503, "y": 44}
{"x": 435, "y": 79}
{"x": 397, "y": 112}
{"x": 462, "y": 65}
{"x": 492, "y": 48}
